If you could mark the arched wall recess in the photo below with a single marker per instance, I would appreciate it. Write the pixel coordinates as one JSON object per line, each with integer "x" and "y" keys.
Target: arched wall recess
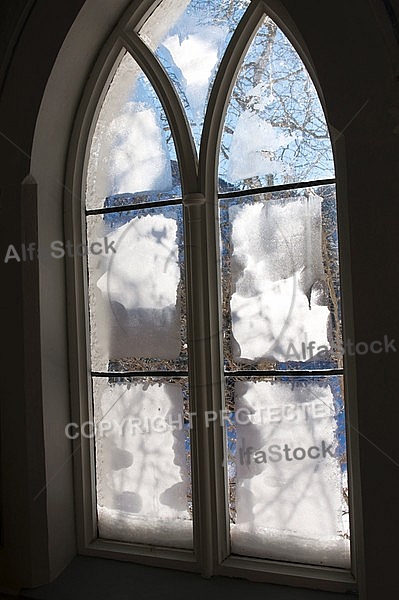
{"x": 209, "y": 276}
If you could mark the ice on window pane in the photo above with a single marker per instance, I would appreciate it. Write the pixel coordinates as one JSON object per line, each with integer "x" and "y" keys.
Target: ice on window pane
{"x": 137, "y": 291}
{"x": 143, "y": 461}
{"x": 190, "y": 38}
{"x": 281, "y": 280}
{"x": 288, "y": 471}
{"x": 132, "y": 156}
{"x": 275, "y": 131}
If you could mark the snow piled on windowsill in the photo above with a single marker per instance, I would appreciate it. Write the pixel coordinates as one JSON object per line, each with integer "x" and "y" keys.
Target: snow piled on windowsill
{"x": 287, "y": 546}
{"x": 125, "y": 527}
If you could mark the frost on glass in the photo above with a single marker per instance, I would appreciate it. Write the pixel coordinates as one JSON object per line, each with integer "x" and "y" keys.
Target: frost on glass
{"x": 281, "y": 297}
{"x": 143, "y": 461}
{"x": 288, "y": 490}
{"x": 275, "y": 130}
{"x": 190, "y": 38}
{"x": 132, "y": 157}
{"x": 137, "y": 297}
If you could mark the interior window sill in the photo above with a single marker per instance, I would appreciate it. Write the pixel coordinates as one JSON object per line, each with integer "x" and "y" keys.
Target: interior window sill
{"x": 88, "y": 578}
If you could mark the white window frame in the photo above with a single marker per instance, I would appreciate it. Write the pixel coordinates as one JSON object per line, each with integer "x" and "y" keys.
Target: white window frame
{"x": 211, "y": 554}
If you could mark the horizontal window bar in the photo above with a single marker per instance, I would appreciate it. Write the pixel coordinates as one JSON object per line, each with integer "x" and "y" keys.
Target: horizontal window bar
{"x": 232, "y": 194}
{"x": 129, "y": 207}
{"x": 111, "y": 374}
{"x": 252, "y": 373}
{"x": 276, "y": 188}
{"x": 281, "y": 373}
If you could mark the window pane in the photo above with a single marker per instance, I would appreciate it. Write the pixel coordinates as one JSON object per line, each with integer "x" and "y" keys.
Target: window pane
{"x": 143, "y": 461}
{"x": 275, "y": 130}
{"x": 287, "y": 469}
{"x": 281, "y": 297}
{"x": 190, "y": 38}
{"x": 132, "y": 156}
{"x": 137, "y": 294}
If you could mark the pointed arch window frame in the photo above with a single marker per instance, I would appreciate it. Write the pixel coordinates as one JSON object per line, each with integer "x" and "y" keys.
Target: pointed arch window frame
{"x": 211, "y": 553}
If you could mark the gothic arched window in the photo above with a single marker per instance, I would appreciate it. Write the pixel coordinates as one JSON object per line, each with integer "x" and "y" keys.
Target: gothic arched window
{"x": 215, "y": 329}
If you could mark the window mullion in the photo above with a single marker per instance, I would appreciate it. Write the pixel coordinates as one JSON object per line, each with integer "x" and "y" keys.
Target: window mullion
{"x": 219, "y": 537}
{"x": 205, "y": 378}
{"x": 217, "y": 431}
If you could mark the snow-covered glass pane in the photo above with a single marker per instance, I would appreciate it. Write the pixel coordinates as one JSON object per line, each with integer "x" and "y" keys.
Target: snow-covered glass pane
{"x": 287, "y": 467}
{"x": 132, "y": 157}
{"x": 281, "y": 293}
{"x": 190, "y": 38}
{"x": 137, "y": 293}
{"x": 142, "y": 434}
{"x": 275, "y": 131}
